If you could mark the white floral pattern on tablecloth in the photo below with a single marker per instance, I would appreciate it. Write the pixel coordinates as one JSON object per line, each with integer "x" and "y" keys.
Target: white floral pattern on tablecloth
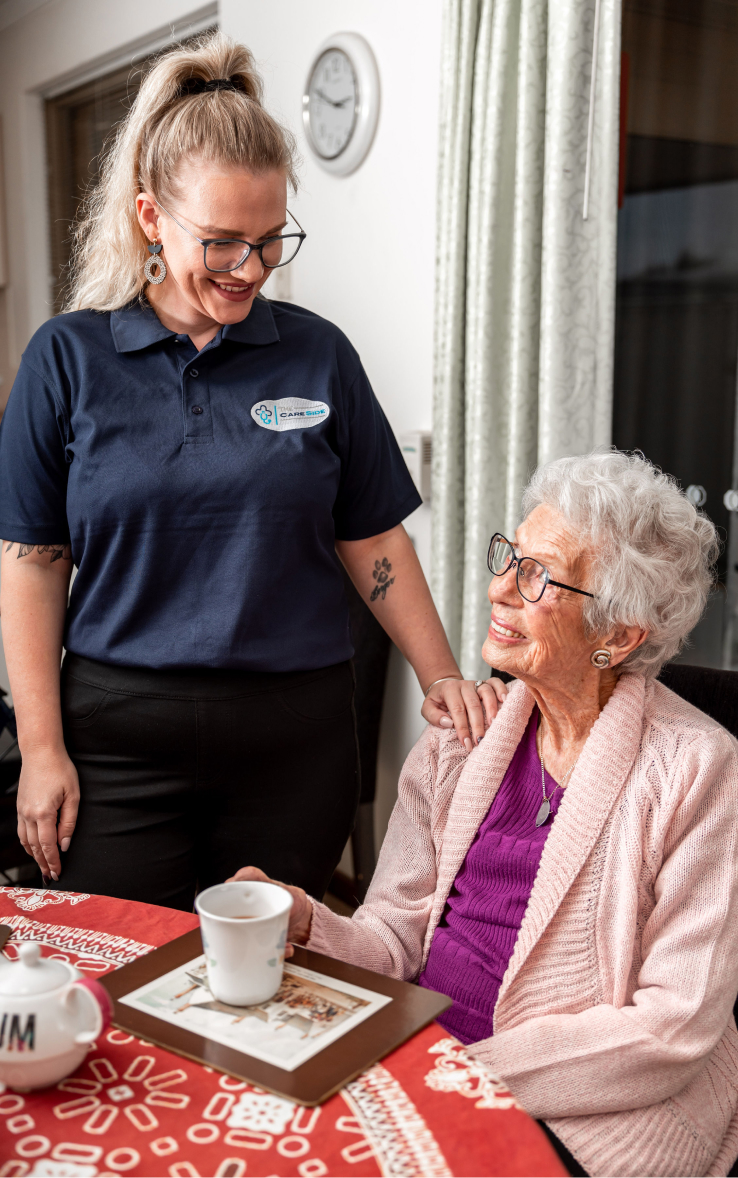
{"x": 31, "y": 899}
{"x": 455, "y": 1071}
{"x": 261, "y": 1111}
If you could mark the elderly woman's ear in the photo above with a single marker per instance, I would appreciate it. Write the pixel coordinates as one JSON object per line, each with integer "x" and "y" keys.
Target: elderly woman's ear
{"x": 622, "y": 641}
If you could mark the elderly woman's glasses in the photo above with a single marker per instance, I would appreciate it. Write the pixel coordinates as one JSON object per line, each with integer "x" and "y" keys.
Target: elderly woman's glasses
{"x": 532, "y": 576}
{"x": 221, "y": 255}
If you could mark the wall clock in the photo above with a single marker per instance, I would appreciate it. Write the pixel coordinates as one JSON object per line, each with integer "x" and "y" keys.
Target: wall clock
{"x": 340, "y": 103}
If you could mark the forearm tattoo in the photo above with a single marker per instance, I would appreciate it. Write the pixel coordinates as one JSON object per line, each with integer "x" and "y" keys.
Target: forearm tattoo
{"x": 56, "y": 551}
{"x": 381, "y": 573}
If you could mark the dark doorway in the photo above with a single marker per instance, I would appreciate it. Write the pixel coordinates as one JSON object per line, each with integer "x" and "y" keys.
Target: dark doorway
{"x": 79, "y": 123}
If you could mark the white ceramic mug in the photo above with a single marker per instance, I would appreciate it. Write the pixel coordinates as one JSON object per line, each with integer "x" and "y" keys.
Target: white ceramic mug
{"x": 244, "y": 933}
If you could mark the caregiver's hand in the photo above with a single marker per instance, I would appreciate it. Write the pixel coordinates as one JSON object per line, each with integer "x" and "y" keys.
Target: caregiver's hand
{"x": 48, "y": 791}
{"x": 301, "y": 915}
{"x": 457, "y": 703}
{"x": 386, "y": 571}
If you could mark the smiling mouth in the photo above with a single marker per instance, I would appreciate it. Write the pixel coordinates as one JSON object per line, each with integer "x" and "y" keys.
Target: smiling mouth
{"x": 232, "y": 289}
{"x": 505, "y": 631}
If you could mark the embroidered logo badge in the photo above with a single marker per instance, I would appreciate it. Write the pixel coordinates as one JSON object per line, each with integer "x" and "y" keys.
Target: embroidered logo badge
{"x": 289, "y": 413}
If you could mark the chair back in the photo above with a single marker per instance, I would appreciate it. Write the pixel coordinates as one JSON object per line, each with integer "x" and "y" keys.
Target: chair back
{"x": 713, "y": 692}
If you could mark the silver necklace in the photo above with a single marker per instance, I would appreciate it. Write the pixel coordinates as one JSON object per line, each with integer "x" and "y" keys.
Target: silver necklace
{"x": 545, "y": 807}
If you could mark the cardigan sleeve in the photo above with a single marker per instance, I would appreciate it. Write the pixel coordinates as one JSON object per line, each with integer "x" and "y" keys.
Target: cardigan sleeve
{"x": 608, "y": 1059}
{"x": 386, "y": 933}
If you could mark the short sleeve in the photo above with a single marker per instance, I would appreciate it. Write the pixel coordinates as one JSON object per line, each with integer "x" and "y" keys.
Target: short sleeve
{"x": 376, "y": 491}
{"x": 33, "y": 464}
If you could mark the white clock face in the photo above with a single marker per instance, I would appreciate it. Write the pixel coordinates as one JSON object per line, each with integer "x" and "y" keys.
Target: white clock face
{"x": 331, "y": 103}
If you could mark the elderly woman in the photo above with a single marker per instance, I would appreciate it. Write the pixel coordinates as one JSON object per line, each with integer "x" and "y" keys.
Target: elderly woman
{"x": 572, "y": 883}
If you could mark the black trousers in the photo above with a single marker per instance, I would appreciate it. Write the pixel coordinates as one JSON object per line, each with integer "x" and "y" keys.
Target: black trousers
{"x": 567, "y": 1158}
{"x": 185, "y": 776}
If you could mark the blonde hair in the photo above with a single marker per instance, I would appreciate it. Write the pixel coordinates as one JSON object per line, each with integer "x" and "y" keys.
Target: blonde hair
{"x": 172, "y": 118}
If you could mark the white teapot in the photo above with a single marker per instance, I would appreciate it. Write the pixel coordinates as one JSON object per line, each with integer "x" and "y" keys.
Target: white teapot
{"x": 49, "y": 1015}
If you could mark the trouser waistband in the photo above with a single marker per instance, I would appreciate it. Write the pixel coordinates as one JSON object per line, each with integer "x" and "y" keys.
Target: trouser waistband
{"x": 189, "y": 682}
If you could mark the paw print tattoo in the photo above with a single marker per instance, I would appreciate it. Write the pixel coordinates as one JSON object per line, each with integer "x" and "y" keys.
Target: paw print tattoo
{"x": 381, "y": 573}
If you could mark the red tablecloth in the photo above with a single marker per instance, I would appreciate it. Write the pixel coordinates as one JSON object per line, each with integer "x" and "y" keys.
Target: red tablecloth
{"x": 133, "y": 1109}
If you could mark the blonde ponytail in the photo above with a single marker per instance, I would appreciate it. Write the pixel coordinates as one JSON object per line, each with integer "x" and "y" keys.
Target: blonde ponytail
{"x": 172, "y": 117}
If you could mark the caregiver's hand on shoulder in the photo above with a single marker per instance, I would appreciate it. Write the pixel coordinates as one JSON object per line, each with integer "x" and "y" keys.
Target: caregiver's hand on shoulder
{"x": 48, "y": 792}
{"x": 457, "y": 703}
{"x": 301, "y": 915}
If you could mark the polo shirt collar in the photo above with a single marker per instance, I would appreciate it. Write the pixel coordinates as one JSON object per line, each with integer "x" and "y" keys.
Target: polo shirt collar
{"x": 257, "y": 328}
{"x": 137, "y": 326}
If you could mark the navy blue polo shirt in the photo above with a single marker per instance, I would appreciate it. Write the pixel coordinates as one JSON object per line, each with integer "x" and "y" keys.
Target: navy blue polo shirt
{"x": 202, "y": 492}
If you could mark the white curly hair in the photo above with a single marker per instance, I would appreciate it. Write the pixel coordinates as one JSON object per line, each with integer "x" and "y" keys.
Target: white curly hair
{"x": 654, "y": 553}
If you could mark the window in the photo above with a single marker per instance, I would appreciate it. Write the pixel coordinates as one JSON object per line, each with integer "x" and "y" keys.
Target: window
{"x": 676, "y": 346}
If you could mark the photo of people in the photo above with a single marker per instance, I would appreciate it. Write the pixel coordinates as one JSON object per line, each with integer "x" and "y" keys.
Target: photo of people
{"x": 308, "y": 1012}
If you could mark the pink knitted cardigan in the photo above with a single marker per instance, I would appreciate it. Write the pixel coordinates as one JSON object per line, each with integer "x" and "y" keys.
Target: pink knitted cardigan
{"x": 614, "y": 1018}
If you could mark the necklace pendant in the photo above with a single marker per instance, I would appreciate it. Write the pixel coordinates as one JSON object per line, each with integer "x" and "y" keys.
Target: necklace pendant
{"x": 543, "y": 812}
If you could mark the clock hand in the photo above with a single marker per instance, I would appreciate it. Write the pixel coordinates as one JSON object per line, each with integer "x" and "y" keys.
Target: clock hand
{"x": 330, "y": 100}
{"x": 326, "y": 98}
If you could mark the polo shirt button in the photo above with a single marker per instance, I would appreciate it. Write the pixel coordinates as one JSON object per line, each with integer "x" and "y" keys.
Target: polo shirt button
{"x": 194, "y": 372}
{"x": 196, "y": 409}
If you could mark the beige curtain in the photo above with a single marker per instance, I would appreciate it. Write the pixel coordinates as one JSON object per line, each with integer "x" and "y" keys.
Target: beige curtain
{"x": 525, "y": 271}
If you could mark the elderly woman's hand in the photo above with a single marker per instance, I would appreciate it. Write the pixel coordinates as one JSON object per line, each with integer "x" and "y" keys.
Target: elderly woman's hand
{"x": 301, "y": 915}
{"x": 459, "y": 704}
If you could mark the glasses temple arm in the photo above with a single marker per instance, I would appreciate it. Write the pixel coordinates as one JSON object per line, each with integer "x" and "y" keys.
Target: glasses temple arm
{"x": 294, "y": 218}
{"x": 560, "y": 585}
{"x": 176, "y": 222}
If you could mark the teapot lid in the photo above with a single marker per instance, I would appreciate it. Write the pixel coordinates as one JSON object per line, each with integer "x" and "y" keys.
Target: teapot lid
{"x": 32, "y": 974}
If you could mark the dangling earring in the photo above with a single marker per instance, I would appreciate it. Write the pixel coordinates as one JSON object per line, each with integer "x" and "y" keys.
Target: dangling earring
{"x": 600, "y": 659}
{"x": 155, "y": 260}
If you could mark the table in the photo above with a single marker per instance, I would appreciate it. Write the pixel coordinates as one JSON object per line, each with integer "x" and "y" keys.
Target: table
{"x": 426, "y": 1110}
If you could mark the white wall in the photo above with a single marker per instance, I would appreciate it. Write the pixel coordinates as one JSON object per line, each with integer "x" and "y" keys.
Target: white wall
{"x": 368, "y": 261}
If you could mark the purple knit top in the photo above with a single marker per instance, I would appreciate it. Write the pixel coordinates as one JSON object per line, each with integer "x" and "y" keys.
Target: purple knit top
{"x": 476, "y": 936}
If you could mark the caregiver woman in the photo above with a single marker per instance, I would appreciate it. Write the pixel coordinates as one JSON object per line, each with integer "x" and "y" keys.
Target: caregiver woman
{"x": 200, "y": 454}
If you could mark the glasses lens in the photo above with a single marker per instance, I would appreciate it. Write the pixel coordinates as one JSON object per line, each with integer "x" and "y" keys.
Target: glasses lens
{"x": 532, "y": 579}
{"x": 225, "y": 255}
{"x": 500, "y": 555}
{"x": 280, "y": 251}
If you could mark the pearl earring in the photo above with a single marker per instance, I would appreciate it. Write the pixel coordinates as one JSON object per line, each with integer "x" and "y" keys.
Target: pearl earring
{"x": 156, "y": 259}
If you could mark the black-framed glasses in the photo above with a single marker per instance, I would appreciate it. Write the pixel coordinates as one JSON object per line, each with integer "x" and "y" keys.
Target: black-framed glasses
{"x": 222, "y": 255}
{"x": 532, "y": 576}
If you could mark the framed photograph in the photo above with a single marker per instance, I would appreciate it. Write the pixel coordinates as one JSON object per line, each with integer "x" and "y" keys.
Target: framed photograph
{"x": 309, "y": 1011}
{"x": 327, "y": 1023}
